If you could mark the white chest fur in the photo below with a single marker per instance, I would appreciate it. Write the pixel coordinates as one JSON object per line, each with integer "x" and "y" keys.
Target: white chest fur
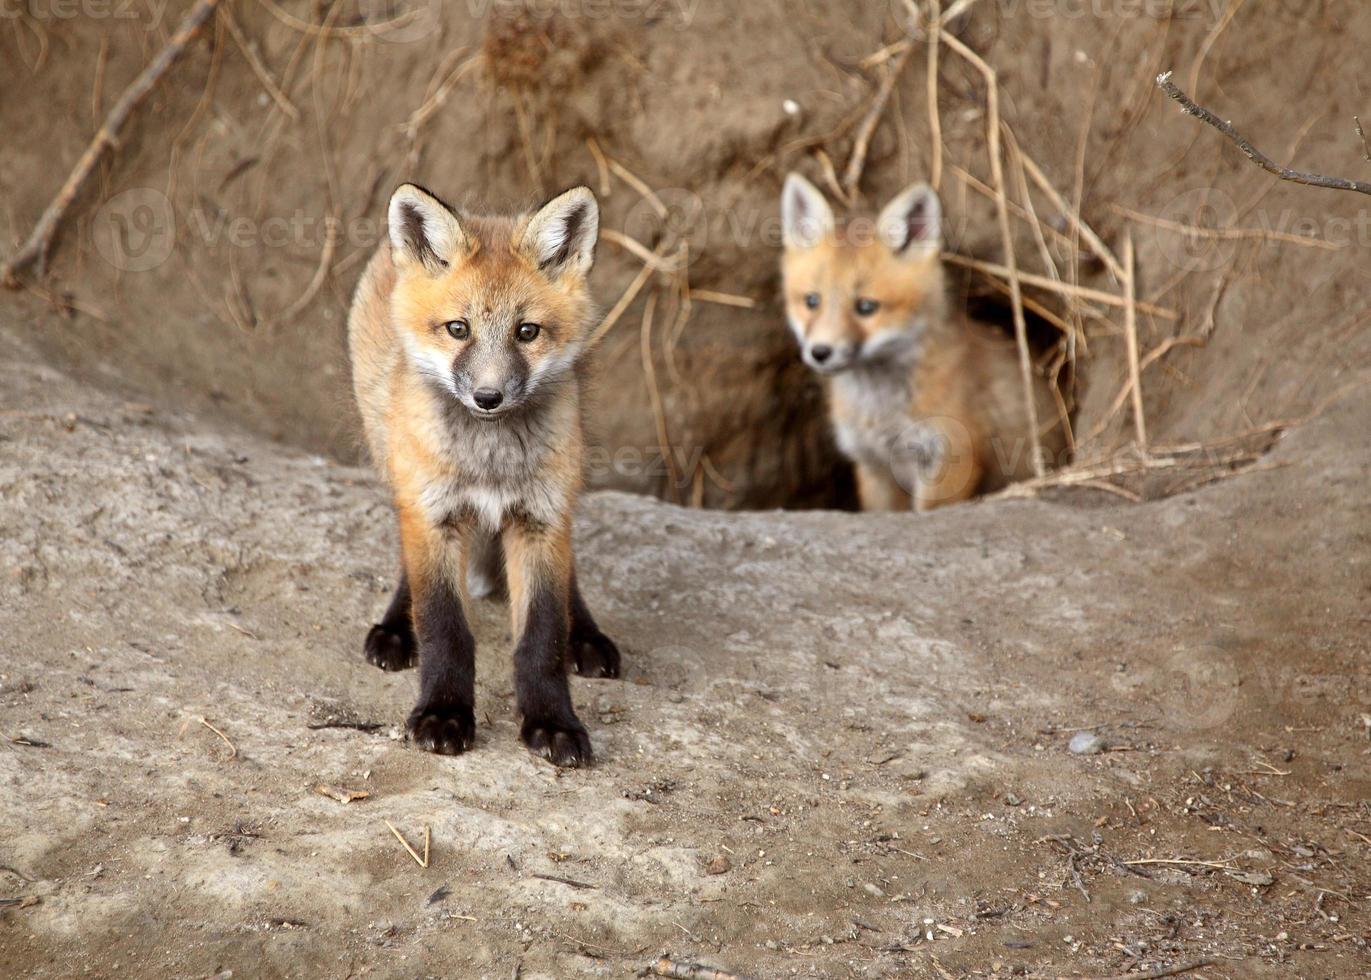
{"x": 874, "y": 416}
{"x": 492, "y": 469}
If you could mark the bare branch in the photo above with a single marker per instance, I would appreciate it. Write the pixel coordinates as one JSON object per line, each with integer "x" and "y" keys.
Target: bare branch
{"x": 853, "y": 175}
{"x": 1255, "y": 155}
{"x": 35, "y": 250}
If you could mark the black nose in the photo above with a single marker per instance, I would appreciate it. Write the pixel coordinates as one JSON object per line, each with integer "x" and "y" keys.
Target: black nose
{"x": 487, "y": 398}
{"x": 821, "y": 352}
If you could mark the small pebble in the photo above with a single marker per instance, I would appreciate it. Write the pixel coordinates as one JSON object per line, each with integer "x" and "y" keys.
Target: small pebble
{"x": 1012, "y": 799}
{"x": 873, "y": 890}
{"x": 1137, "y": 897}
{"x": 719, "y": 866}
{"x": 1086, "y": 743}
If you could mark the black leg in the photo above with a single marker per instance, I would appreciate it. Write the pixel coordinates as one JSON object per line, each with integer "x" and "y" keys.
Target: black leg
{"x": 444, "y": 720}
{"x": 391, "y": 644}
{"x": 538, "y": 569}
{"x": 593, "y": 653}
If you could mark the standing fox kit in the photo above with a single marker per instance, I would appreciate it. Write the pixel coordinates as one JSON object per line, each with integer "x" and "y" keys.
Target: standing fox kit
{"x": 467, "y": 335}
{"x": 928, "y": 406}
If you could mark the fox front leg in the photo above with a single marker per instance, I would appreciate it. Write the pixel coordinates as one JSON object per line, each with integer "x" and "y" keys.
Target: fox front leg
{"x": 878, "y": 490}
{"x": 391, "y": 643}
{"x": 592, "y": 653}
{"x": 538, "y": 566}
{"x": 444, "y": 719}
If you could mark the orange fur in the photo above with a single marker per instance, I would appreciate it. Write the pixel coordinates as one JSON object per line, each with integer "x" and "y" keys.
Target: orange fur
{"x": 467, "y": 335}
{"x": 927, "y": 404}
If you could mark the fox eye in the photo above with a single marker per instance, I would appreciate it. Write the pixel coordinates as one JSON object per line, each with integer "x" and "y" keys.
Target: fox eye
{"x": 459, "y": 329}
{"x": 812, "y": 300}
{"x": 528, "y": 332}
{"x": 866, "y": 307}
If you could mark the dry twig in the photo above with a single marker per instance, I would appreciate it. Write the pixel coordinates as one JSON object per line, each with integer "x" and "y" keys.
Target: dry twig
{"x": 1062, "y": 288}
{"x": 1211, "y": 39}
{"x": 1097, "y": 245}
{"x": 327, "y": 30}
{"x": 935, "y": 119}
{"x": 629, "y": 244}
{"x": 259, "y": 69}
{"x": 332, "y": 236}
{"x": 723, "y": 299}
{"x": 1225, "y": 234}
{"x": 639, "y": 185}
{"x": 655, "y": 395}
{"x": 35, "y": 249}
{"x": 1154, "y": 355}
{"x": 439, "y": 95}
{"x": 1131, "y": 330}
{"x": 1251, "y": 152}
{"x": 233, "y": 749}
{"x": 601, "y": 165}
{"x": 626, "y": 300}
{"x": 421, "y": 861}
{"x": 852, "y": 176}
{"x": 1011, "y": 263}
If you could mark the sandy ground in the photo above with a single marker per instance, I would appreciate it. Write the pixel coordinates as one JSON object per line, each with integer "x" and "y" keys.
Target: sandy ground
{"x": 841, "y": 747}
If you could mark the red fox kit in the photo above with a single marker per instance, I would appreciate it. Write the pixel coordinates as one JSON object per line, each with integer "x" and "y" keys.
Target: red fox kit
{"x": 927, "y": 405}
{"x": 467, "y": 335}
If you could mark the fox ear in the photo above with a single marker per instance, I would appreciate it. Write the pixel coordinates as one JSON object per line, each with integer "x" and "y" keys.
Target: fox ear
{"x": 912, "y": 224}
{"x": 806, "y": 217}
{"x": 560, "y": 237}
{"x": 423, "y": 229}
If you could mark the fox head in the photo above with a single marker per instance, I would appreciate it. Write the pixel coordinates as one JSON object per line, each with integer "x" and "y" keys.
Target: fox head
{"x": 861, "y": 293}
{"x": 492, "y": 310}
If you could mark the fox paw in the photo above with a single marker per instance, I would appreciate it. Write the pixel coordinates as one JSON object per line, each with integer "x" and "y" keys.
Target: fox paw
{"x": 563, "y": 744}
{"x": 594, "y": 655}
{"x": 391, "y": 649}
{"x": 444, "y": 729}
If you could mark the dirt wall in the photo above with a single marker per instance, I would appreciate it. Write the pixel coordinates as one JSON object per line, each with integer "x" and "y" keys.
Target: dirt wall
{"x": 198, "y": 266}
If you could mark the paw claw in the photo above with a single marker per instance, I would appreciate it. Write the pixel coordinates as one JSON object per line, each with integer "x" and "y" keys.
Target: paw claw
{"x": 389, "y": 649}
{"x": 563, "y": 744}
{"x": 442, "y": 730}
{"x": 595, "y": 655}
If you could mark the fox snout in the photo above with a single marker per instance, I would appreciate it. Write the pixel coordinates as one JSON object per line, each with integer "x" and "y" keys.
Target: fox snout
{"x": 490, "y": 383}
{"x": 830, "y": 356}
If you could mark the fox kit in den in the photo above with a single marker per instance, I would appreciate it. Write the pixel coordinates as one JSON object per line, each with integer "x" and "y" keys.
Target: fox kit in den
{"x": 467, "y": 336}
{"x": 929, "y": 406}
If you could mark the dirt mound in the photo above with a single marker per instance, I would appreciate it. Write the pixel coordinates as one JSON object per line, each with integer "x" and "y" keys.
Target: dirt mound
{"x": 212, "y": 261}
{"x": 863, "y": 772}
